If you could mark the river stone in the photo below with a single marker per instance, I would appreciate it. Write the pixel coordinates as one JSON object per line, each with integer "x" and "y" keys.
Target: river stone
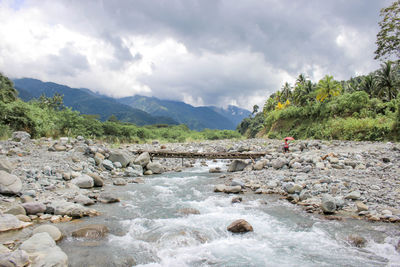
{"x": 133, "y": 171}
{"x": 155, "y": 167}
{"x": 219, "y": 188}
{"x": 9, "y": 184}
{"x": 16, "y": 209}
{"x": 328, "y": 204}
{"x": 143, "y": 159}
{"x": 237, "y": 166}
{"x": 83, "y": 181}
{"x": 69, "y": 209}
{"x": 232, "y": 189}
{"x": 60, "y": 148}
{"x": 236, "y": 200}
{"x": 354, "y": 195}
{"x": 121, "y": 157}
{"x": 106, "y": 197}
{"x": 278, "y": 163}
{"x": 97, "y": 180}
{"x": 356, "y": 240}
{"x": 294, "y": 188}
{"x": 9, "y": 222}
{"x": 188, "y": 211}
{"x": 237, "y": 182}
{"x": 117, "y": 165}
{"x": 33, "y": 208}
{"x": 52, "y": 230}
{"x": 21, "y": 136}
{"x": 98, "y": 158}
{"x": 4, "y": 250}
{"x": 148, "y": 172}
{"x": 44, "y": 252}
{"x": 215, "y": 170}
{"x": 7, "y": 166}
{"x": 361, "y": 206}
{"x": 83, "y": 200}
{"x": 260, "y": 165}
{"x": 240, "y": 226}
{"x": 296, "y": 165}
{"x": 108, "y": 165}
{"x": 119, "y": 181}
{"x": 18, "y": 258}
{"x": 92, "y": 231}
{"x": 23, "y": 218}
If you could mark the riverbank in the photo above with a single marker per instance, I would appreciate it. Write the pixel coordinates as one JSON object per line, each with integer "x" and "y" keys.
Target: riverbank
{"x": 61, "y": 179}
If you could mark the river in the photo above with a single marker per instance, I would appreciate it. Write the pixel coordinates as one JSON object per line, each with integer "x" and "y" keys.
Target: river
{"x": 146, "y": 229}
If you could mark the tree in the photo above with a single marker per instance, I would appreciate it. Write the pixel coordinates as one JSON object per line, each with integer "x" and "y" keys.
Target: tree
{"x": 255, "y": 109}
{"x": 286, "y": 91}
{"x": 55, "y": 102}
{"x": 369, "y": 85}
{"x": 7, "y": 92}
{"x": 327, "y": 88}
{"x": 388, "y": 38}
{"x": 387, "y": 81}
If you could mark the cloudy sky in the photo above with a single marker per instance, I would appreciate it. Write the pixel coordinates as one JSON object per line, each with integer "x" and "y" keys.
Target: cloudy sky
{"x": 204, "y": 52}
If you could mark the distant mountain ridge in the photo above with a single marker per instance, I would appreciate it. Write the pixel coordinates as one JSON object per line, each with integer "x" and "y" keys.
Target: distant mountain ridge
{"x": 137, "y": 109}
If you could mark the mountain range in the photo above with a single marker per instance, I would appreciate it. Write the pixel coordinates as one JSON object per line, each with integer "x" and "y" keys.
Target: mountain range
{"x": 137, "y": 109}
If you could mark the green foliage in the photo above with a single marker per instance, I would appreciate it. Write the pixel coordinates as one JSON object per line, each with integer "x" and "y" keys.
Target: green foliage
{"x": 7, "y": 92}
{"x": 388, "y": 38}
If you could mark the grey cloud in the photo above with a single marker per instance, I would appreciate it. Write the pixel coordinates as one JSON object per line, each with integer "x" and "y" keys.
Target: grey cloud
{"x": 68, "y": 62}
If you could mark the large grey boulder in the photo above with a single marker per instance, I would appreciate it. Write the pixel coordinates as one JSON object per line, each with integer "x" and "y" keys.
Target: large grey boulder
{"x": 52, "y": 230}
{"x": 83, "y": 200}
{"x": 155, "y": 167}
{"x": 328, "y": 204}
{"x": 9, "y": 222}
{"x": 278, "y": 163}
{"x": 7, "y": 166}
{"x": 33, "y": 208}
{"x": 70, "y": 209}
{"x": 97, "y": 180}
{"x": 108, "y": 165}
{"x": 18, "y": 258}
{"x": 9, "y": 184}
{"x": 119, "y": 181}
{"x": 83, "y": 181}
{"x": 143, "y": 159}
{"x": 260, "y": 164}
{"x": 354, "y": 195}
{"x": 237, "y": 165}
{"x": 16, "y": 209}
{"x": 44, "y": 252}
{"x": 21, "y": 136}
{"x": 106, "y": 197}
{"x": 121, "y": 157}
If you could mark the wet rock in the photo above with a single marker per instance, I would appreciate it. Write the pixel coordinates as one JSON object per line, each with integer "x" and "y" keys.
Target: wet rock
{"x": 237, "y": 165}
{"x": 119, "y": 182}
{"x": 93, "y": 231}
{"x": 215, "y": 170}
{"x": 83, "y": 200}
{"x": 9, "y": 222}
{"x": 356, "y": 240}
{"x": 52, "y": 230}
{"x": 155, "y": 167}
{"x": 33, "y": 208}
{"x": 106, "y": 197}
{"x": 188, "y": 211}
{"x": 236, "y": 200}
{"x": 328, "y": 204}
{"x": 143, "y": 159}
{"x": 354, "y": 195}
{"x": 237, "y": 182}
{"x": 121, "y": 157}
{"x": 9, "y": 184}
{"x": 16, "y": 210}
{"x": 233, "y": 189}
{"x": 148, "y": 172}
{"x": 70, "y": 209}
{"x": 7, "y": 166}
{"x": 133, "y": 171}
{"x": 240, "y": 226}
{"x": 43, "y": 251}
{"x": 219, "y": 188}
{"x": 18, "y": 258}
{"x": 83, "y": 181}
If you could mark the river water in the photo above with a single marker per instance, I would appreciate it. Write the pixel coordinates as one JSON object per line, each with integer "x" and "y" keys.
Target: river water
{"x": 146, "y": 229}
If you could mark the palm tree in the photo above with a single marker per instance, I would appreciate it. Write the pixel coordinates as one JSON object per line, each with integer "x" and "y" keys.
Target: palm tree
{"x": 286, "y": 92}
{"x": 369, "y": 85}
{"x": 387, "y": 81}
{"x": 327, "y": 88}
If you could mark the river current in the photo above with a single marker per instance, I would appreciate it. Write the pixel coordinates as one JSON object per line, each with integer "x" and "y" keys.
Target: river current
{"x": 147, "y": 229}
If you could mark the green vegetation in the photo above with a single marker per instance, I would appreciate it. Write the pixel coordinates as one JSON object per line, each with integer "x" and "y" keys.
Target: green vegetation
{"x": 48, "y": 117}
{"x": 362, "y": 108}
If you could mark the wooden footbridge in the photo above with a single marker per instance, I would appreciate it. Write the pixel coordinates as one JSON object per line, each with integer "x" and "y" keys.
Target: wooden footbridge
{"x": 204, "y": 155}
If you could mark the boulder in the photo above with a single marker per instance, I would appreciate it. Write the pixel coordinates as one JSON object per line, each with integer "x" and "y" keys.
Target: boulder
{"x": 354, "y": 195}
{"x": 16, "y": 209}
{"x": 119, "y": 181}
{"x": 108, "y": 165}
{"x": 83, "y": 181}
{"x": 21, "y": 136}
{"x": 52, "y": 230}
{"x": 7, "y": 166}
{"x": 121, "y": 157}
{"x": 233, "y": 189}
{"x": 97, "y": 180}
{"x": 43, "y": 251}
{"x": 260, "y": 165}
{"x": 143, "y": 159}
{"x": 133, "y": 171}
{"x": 105, "y": 197}
{"x": 70, "y": 209}
{"x": 328, "y": 204}
{"x": 240, "y": 226}
{"x": 9, "y": 222}
{"x": 215, "y": 170}
{"x": 236, "y": 200}
{"x": 356, "y": 240}
{"x": 18, "y": 258}
{"x": 219, "y": 188}
{"x": 361, "y": 206}
{"x": 237, "y": 165}
{"x": 278, "y": 163}
{"x": 83, "y": 200}
{"x": 92, "y": 231}
{"x": 155, "y": 167}
{"x": 9, "y": 184}
{"x": 98, "y": 158}
{"x": 33, "y": 208}
{"x": 293, "y": 188}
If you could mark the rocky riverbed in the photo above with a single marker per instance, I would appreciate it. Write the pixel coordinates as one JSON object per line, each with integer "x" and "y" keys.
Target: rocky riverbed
{"x": 45, "y": 182}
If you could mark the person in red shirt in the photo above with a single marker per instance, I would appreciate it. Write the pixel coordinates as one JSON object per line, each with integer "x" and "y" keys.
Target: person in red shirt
{"x": 286, "y": 147}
